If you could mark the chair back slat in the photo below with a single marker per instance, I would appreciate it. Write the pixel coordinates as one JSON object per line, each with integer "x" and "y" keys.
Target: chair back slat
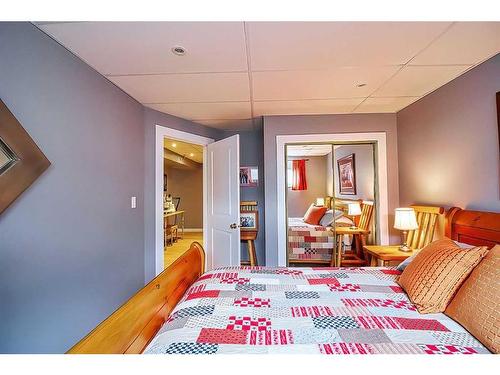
{"x": 427, "y": 220}
{"x": 366, "y": 215}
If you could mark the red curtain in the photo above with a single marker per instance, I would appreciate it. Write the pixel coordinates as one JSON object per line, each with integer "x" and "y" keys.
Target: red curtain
{"x": 299, "y": 181}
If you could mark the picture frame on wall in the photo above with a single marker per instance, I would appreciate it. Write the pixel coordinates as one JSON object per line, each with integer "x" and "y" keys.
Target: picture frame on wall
{"x": 249, "y": 221}
{"x": 347, "y": 175}
{"x": 249, "y": 176}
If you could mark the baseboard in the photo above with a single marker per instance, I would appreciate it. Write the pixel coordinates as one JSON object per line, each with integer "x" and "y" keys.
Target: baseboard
{"x": 187, "y": 230}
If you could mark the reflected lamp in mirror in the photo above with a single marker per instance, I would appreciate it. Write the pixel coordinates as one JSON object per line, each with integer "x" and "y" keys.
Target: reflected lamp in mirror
{"x": 353, "y": 209}
{"x": 320, "y": 202}
{"x": 405, "y": 220}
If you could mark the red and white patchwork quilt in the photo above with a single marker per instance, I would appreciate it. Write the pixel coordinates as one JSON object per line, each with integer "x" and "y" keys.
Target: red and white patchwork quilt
{"x": 305, "y": 310}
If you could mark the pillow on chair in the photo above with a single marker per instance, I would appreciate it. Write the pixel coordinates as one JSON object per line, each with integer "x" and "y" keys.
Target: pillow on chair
{"x": 436, "y": 273}
{"x": 314, "y": 214}
{"x": 476, "y": 304}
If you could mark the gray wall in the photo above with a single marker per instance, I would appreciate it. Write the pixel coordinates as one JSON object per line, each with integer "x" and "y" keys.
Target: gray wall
{"x": 316, "y": 124}
{"x": 298, "y": 201}
{"x": 71, "y": 248}
{"x": 252, "y": 154}
{"x": 448, "y": 143}
{"x": 187, "y": 183}
{"x": 364, "y": 168}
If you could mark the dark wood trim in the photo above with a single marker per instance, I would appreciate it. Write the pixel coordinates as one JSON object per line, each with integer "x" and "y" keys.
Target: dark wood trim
{"x": 27, "y": 161}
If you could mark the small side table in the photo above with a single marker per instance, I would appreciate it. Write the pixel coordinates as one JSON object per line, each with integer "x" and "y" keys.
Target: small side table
{"x": 386, "y": 254}
{"x": 339, "y": 232}
{"x": 250, "y": 237}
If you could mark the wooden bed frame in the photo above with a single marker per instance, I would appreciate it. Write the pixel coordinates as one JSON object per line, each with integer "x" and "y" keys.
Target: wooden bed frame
{"x": 130, "y": 328}
{"x": 477, "y": 228}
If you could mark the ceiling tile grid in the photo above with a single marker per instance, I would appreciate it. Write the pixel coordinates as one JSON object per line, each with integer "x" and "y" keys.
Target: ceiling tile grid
{"x": 232, "y": 72}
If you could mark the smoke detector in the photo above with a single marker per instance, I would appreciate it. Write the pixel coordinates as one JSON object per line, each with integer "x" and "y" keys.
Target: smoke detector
{"x": 179, "y": 50}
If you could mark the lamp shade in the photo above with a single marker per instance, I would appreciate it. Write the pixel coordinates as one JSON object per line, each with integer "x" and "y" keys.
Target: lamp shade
{"x": 405, "y": 219}
{"x": 353, "y": 209}
{"x": 320, "y": 201}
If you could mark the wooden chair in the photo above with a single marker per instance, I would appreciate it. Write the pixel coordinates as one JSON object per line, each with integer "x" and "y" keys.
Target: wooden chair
{"x": 171, "y": 230}
{"x": 427, "y": 219}
{"x": 357, "y": 258}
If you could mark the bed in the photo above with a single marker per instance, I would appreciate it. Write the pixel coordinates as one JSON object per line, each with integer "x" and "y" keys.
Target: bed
{"x": 286, "y": 310}
{"x": 313, "y": 243}
{"x": 308, "y": 243}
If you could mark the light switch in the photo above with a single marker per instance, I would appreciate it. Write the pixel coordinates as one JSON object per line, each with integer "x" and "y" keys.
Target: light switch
{"x": 133, "y": 202}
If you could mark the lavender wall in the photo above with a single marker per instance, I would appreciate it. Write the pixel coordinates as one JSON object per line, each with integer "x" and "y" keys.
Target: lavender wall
{"x": 71, "y": 248}
{"x": 317, "y": 124}
{"x": 448, "y": 143}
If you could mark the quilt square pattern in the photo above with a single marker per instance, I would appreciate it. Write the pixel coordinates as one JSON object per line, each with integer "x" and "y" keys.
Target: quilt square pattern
{"x": 323, "y": 310}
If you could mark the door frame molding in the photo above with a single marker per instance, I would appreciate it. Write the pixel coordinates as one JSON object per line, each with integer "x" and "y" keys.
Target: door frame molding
{"x": 162, "y": 132}
{"x": 380, "y": 138}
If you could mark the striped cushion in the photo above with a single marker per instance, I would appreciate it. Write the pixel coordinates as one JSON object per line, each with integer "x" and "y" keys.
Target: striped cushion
{"x": 437, "y": 272}
{"x": 476, "y": 304}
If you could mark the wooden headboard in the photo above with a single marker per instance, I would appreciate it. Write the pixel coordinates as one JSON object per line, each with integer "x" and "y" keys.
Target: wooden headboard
{"x": 478, "y": 228}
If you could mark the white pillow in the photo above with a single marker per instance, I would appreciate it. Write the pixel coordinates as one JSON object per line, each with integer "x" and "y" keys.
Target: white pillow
{"x": 328, "y": 217}
{"x": 464, "y": 245}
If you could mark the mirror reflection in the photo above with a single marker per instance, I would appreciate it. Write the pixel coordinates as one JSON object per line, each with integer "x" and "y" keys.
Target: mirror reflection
{"x": 7, "y": 157}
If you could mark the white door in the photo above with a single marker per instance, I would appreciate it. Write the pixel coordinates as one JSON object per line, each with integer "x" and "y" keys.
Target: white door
{"x": 223, "y": 237}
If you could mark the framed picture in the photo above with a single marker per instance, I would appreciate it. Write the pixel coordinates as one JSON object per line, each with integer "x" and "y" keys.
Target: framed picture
{"x": 347, "y": 175}
{"x": 249, "y": 176}
{"x": 21, "y": 161}
{"x": 249, "y": 220}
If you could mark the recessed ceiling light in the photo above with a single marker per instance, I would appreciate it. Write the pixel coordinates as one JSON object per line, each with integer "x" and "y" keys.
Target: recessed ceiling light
{"x": 174, "y": 144}
{"x": 191, "y": 154}
{"x": 178, "y": 50}
{"x": 361, "y": 85}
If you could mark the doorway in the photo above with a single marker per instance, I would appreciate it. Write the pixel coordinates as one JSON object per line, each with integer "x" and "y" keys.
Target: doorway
{"x": 220, "y": 196}
{"x": 182, "y": 197}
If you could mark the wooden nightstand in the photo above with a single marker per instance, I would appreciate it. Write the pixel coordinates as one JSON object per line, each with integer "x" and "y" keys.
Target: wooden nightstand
{"x": 386, "y": 254}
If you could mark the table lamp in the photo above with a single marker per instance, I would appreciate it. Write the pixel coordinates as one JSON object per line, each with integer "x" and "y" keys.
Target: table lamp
{"x": 320, "y": 202}
{"x": 405, "y": 220}
{"x": 353, "y": 209}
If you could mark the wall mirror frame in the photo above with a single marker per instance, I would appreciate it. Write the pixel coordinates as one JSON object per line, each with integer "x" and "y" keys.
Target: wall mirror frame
{"x": 21, "y": 161}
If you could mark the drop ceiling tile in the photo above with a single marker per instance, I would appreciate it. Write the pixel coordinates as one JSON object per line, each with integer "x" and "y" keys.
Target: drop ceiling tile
{"x": 306, "y": 107}
{"x": 321, "y": 45}
{"x": 206, "y": 111}
{"x": 319, "y": 84}
{"x": 464, "y": 43}
{"x": 242, "y": 124}
{"x": 419, "y": 80}
{"x": 385, "y": 105}
{"x": 170, "y": 88}
{"x": 145, "y": 47}
{"x": 185, "y": 149}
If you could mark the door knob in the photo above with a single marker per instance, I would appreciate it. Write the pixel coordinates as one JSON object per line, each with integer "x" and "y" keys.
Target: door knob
{"x": 234, "y": 226}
